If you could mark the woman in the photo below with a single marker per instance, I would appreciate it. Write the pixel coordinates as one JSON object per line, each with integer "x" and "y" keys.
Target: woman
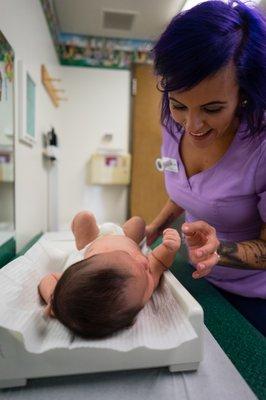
{"x": 211, "y": 66}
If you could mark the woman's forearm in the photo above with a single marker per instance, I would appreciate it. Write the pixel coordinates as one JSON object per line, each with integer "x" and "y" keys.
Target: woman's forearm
{"x": 243, "y": 255}
{"x": 167, "y": 215}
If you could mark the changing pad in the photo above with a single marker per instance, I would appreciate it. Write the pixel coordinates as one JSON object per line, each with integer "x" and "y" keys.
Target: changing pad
{"x": 162, "y": 323}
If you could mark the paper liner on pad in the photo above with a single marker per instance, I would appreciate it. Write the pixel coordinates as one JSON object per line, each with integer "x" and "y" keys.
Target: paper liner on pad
{"x": 161, "y": 324}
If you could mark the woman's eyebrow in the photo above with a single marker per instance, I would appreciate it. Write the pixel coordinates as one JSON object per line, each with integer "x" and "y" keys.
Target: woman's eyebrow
{"x": 203, "y": 105}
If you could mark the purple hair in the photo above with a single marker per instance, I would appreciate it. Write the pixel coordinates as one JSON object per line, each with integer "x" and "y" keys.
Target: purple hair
{"x": 200, "y": 41}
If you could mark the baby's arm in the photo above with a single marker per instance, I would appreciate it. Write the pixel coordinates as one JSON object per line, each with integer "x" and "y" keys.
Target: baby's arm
{"x": 162, "y": 257}
{"x": 46, "y": 289}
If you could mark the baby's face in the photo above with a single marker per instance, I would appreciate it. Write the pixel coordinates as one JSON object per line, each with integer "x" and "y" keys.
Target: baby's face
{"x": 126, "y": 254}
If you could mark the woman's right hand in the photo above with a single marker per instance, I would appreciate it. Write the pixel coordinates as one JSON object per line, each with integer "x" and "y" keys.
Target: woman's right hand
{"x": 163, "y": 220}
{"x": 152, "y": 233}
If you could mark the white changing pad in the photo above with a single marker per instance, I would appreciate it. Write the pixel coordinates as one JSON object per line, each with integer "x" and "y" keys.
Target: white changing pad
{"x": 162, "y": 323}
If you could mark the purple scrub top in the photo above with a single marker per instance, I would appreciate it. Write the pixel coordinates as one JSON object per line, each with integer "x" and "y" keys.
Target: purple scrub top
{"x": 230, "y": 196}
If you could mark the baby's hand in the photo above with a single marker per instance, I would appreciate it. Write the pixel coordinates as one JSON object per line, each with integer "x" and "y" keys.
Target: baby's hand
{"x": 171, "y": 239}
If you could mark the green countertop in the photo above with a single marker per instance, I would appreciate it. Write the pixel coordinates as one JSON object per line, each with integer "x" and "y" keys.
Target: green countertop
{"x": 243, "y": 344}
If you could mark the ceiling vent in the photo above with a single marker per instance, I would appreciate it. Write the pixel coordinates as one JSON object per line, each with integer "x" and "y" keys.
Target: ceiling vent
{"x": 121, "y": 20}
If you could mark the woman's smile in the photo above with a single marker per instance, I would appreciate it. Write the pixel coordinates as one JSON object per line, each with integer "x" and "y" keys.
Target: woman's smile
{"x": 200, "y": 135}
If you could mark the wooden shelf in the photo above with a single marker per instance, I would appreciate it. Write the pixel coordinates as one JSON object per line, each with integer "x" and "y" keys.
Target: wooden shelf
{"x": 49, "y": 86}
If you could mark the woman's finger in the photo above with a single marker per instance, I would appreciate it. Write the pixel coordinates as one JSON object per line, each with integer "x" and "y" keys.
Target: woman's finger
{"x": 194, "y": 238}
{"x": 200, "y": 274}
{"x": 209, "y": 262}
{"x": 205, "y": 267}
{"x": 209, "y": 248}
{"x": 198, "y": 226}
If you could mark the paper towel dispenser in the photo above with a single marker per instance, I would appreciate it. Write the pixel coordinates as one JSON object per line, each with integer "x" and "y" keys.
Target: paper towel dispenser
{"x": 109, "y": 169}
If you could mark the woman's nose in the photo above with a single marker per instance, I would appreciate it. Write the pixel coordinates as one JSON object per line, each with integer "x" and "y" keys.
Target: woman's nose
{"x": 193, "y": 123}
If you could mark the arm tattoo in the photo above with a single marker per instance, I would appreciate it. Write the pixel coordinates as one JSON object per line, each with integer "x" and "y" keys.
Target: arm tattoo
{"x": 244, "y": 255}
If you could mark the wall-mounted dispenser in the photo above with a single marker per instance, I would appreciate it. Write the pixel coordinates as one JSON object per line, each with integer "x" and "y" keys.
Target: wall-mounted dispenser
{"x": 109, "y": 169}
{"x": 51, "y": 145}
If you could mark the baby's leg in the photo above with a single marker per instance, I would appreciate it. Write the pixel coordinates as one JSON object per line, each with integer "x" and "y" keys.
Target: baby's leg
{"x": 134, "y": 228}
{"x": 84, "y": 228}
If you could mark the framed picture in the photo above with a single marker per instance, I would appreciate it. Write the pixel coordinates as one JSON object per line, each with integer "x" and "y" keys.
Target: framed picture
{"x": 26, "y": 104}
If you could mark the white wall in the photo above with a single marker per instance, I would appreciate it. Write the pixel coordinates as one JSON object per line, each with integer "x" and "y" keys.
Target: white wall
{"x": 23, "y": 23}
{"x": 98, "y": 102}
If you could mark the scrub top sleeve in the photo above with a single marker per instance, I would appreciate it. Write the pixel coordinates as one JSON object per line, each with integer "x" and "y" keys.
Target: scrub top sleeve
{"x": 260, "y": 182}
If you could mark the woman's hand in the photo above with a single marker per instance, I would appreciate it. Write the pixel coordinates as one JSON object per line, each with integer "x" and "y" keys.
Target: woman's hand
{"x": 151, "y": 233}
{"x": 202, "y": 246}
{"x": 163, "y": 220}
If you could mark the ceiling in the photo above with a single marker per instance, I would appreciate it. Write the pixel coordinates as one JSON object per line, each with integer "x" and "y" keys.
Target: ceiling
{"x": 138, "y": 19}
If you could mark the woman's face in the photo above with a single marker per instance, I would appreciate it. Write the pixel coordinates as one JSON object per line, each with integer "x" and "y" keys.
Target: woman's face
{"x": 207, "y": 111}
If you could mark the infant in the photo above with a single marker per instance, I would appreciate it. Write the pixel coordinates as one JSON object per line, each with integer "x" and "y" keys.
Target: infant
{"x": 103, "y": 293}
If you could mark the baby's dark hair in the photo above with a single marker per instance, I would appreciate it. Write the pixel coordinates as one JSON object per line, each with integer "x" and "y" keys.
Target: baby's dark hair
{"x": 92, "y": 302}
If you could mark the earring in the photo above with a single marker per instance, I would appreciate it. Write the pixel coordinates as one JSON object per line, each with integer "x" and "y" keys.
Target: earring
{"x": 244, "y": 103}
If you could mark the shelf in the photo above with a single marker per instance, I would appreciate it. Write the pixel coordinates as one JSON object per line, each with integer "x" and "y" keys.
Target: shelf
{"x": 49, "y": 86}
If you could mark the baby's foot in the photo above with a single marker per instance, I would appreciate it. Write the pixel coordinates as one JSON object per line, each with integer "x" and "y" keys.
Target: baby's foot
{"x": 84, "y": 228}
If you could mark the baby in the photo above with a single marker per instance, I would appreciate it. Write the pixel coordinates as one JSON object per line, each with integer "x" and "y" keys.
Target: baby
{"x": 103, "y": 293}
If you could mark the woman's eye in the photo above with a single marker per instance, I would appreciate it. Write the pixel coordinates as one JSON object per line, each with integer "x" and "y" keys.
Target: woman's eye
{"x": 207, "y": 110}
{"x": 181, "y": 108}
{"x": 215, "y": 110}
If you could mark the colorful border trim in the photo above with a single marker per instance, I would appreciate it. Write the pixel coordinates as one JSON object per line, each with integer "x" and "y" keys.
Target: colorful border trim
{"x": 95, "y": 51}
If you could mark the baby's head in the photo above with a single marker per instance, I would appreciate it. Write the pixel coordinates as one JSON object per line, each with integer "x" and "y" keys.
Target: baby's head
{"x": 101, "y": 295}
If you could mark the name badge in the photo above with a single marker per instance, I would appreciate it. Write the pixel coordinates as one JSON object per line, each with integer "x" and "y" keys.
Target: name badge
{"x": 166, "y": 164}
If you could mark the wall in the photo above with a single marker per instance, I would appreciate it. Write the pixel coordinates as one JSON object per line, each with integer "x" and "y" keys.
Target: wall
{"x": 24, "y": 25}
{"x": 98, "y": 102}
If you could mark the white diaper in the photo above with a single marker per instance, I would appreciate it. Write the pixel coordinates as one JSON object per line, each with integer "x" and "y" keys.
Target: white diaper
{"x": 109, "y": 228}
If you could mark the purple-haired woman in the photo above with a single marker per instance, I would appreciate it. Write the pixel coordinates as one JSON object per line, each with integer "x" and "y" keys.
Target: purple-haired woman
{"x": 211, "y": 68}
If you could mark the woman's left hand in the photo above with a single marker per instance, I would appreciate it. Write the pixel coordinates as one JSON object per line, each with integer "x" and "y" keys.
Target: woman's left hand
{"x": 202, "y": 246}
